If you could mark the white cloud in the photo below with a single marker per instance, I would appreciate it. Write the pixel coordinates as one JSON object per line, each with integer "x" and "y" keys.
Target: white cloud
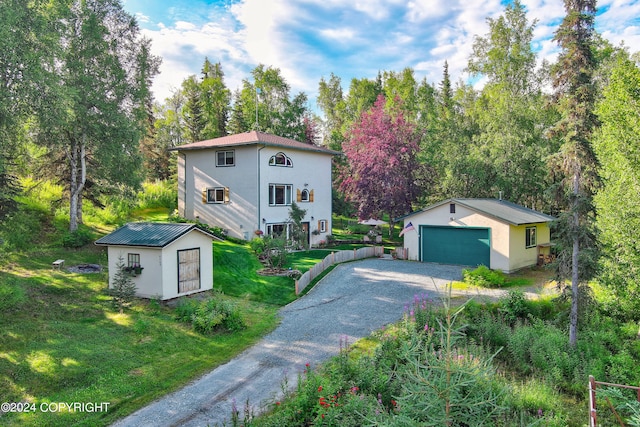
{"x": 309, "y": 39}
{"x": 342, "y": 35}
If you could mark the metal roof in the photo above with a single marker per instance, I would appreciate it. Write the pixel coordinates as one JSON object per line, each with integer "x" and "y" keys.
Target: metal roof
{"x": 253, "y": 138}
{"x": 148, "y": 234}
{"x": 499, "y": 209}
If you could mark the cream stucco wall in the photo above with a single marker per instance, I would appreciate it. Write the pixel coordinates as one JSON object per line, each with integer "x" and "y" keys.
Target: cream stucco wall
{"x": 239, "y": 216}
{"x": 159, "y": 278}
{"x": 248, "y": 182}
{"x": 311, "y": 171}
{"x": 507, "y": 251}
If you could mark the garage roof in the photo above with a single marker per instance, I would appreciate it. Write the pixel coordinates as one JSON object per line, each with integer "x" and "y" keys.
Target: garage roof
{"x": 148, "y": 234}
{"x": 499, "y": 209}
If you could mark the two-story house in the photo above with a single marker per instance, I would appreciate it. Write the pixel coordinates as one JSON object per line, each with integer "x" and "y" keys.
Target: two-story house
{"x": 245, "y": 183}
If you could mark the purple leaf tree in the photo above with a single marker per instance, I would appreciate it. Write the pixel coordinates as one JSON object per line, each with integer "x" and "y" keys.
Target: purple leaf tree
{"x": 382, "y": 165}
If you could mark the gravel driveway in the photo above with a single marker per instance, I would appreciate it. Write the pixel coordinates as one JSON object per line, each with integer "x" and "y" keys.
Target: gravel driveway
{"x": 353, "y": 300}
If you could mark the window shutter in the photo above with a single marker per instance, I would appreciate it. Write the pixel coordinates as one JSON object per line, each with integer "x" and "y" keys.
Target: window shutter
{"x": 319, "y": 225}
{"x": 226, "y": 194}
{"x": 311, "y": 196}
{"x": 298, "y": 195}
{"x": 204, "y": 196}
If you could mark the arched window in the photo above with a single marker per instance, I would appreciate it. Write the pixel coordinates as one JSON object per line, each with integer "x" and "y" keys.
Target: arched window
{"x": 280, "y": 159}
{"x": 304, "y": 195}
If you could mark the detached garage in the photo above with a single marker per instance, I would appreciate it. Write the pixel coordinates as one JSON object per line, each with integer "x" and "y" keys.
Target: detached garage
{"x": 166, "y": 260}
{"x": 496, "y": 233}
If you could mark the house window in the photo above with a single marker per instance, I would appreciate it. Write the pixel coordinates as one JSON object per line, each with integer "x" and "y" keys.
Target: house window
{"x": 322, "y": 225}
{"x": 452, "y": 208}
{"x": 279, "y": 230}
{"x": 217, "y": 195}
{"x": 280, "y": 194}
{"x": 304, "y": 196}
{"x": 530, "y": 237}
{"x": 133, "y": 260}
{"x": 225, "y": 158}
{"x": 280, "y": 159}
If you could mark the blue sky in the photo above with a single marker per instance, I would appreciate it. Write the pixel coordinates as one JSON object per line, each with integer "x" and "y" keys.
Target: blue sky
{"x": 309, "y": 39}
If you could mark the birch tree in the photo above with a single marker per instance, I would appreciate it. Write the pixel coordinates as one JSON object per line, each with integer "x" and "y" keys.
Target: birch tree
{"x": 97, "y": 113}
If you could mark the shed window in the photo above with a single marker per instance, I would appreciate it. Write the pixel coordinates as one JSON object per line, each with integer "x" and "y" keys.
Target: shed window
{"x": 452, "y": 208}
{"x": 531, "y": 239}
{"x": 133, "y": 260}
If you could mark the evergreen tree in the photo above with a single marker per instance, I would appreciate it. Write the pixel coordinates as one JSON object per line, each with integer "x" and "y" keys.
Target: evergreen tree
{"x": 215, "y": 101}
{"x": 122, "y": 289}
{"x": 575, "y": 164}
{"x": 193, "y": 116}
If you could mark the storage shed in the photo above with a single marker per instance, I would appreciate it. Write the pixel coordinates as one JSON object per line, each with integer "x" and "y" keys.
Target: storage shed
{"x": 496, "y": 233}
{"x": 166, "y": 260}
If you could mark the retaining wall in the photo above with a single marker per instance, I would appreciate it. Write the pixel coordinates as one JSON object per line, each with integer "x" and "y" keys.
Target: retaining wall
{"x": 336, "y": 258}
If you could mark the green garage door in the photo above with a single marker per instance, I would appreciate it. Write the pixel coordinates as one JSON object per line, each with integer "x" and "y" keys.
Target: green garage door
{"x": 455, "y": 245}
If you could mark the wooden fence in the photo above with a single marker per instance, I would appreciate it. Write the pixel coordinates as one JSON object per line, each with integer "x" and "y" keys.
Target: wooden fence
{"x": 593, "y": 414}
{"x": 336, "y": 258}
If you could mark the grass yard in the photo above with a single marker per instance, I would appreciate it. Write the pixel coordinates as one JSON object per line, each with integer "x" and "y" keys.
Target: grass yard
{"x": 62, "y": 341}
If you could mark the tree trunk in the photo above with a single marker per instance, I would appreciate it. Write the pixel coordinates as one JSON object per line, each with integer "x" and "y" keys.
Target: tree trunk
{"x": 78, "y": 167}
{"x": 573, "y": 318}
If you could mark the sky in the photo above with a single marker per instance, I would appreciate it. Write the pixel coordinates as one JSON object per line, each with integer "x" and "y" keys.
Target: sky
{"x": 310, "y": 39}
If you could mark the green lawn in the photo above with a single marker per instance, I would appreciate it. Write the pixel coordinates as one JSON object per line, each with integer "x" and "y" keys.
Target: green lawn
{"x": 61, "y": 340}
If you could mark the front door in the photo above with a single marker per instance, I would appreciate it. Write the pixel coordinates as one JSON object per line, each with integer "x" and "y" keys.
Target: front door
{"x": 188, "y": 270}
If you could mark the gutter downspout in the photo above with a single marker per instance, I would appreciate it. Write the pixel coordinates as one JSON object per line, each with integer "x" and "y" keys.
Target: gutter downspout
{"x": 258, "y": 189}
{"x": 184, "y": 186}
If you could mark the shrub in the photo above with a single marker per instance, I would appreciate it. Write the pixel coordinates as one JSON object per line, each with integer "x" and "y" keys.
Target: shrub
{"x": 514, "y": 307}
{"x": 257, "y": 245}
{"x": 185, "y": 309}
{"x": 484, "y": 277}
{"x": 77, "y": 239}
{"x": 210, "y": 315}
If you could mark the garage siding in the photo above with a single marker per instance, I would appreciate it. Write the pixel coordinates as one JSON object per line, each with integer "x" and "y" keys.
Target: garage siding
{"x": 455, "y": 245}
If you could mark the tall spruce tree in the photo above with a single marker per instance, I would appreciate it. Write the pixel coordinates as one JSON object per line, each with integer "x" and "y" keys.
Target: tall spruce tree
{"x": 575, "y": 164}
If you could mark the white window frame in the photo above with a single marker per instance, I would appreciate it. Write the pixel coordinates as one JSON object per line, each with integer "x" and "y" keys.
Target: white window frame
{"x": 288, "y": 194}
{"x": 323, "y": 225}
{"x": 133, "y": 260}
{"x": 531, "y": 237}
{"x": 286, "y": 160}
{"x": 304, "y": 193}
{"x": 215, "y": 191}
{"x": 286, "y": 228}
{"x": 228, "y": 154}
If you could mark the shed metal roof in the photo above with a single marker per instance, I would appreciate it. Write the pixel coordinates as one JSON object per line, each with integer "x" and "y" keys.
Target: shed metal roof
{"x": 148, "y": 234}
{"x": 502, "y": 210}
{"x": 253, "y": 138}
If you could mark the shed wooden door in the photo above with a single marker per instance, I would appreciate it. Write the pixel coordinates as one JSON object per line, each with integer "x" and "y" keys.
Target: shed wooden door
{"x": 188, "y": 270}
